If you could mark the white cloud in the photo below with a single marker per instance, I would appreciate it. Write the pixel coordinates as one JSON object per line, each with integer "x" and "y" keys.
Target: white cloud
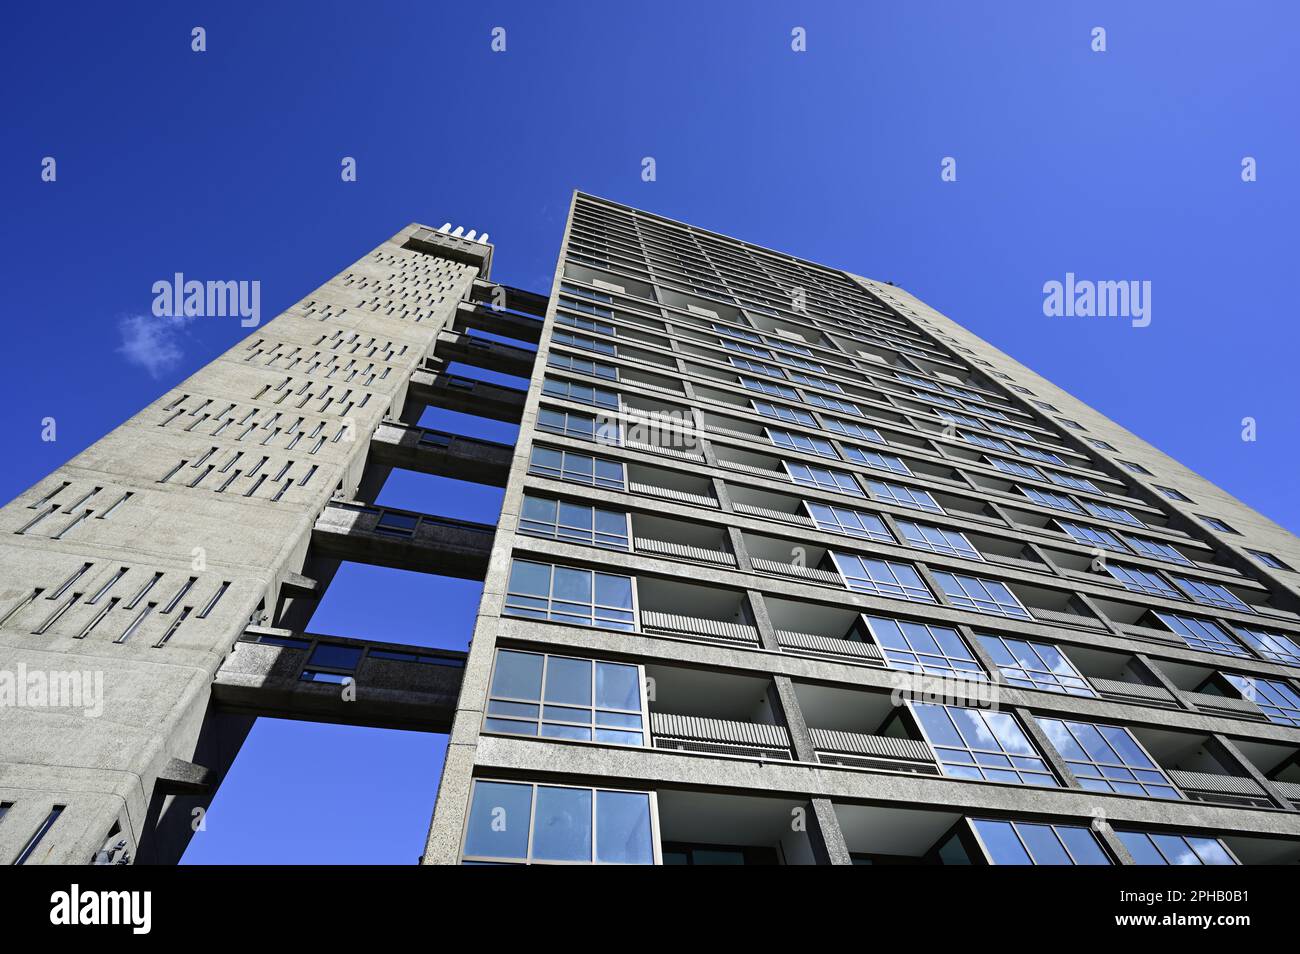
{"x": 154, "y": 344}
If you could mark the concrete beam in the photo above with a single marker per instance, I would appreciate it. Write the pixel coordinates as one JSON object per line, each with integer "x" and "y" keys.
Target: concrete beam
{"x": 466, "y": 395}
{"x": 403, "y": 539}
{"x": 485, "y": 353}
{"x": 438, "y": 452}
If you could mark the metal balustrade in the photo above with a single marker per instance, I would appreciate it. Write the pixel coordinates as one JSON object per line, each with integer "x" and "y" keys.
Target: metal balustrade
{"x": 800, "y": 572}
{"x": 872, "y": 751}
{"x": 668, "y": 493}
{"x": 673, "y": 624}
{"x": 829, "y": 646}
{"x": 683, "y": 551}
{"x": 1133, "y": 691}
{"x": 1226, "y": 789}
{"x": 719, "y": 736}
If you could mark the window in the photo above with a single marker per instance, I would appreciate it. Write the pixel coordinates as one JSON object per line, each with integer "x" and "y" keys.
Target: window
{"x": 937, "y": 540}
{"x": 748, "y": 349}
{"x": 570, "y": 595}
{"x": 736, "y": 333}
{"x": 916, "y": 647}
{"x": 1173, "y": 494}
{"x": 1268, "y": 559}
{"x": 1045, "y": 406}
{"x": 1074, "y": 483}
{"x": 578, "y": 468}
{"x": 1092, "y": 536}
{"x": 587, "y": 324}
{"x": 982, "y": 596}
{"x": 1117, "y": 514}
{"x": 823, "y": 478}
{"x": 879, "y": 461}
{"x": 1277, "y": 700}
{"x": 1211, "y": 594}
{"x": 30, "y": 848}
{"x": 1035, "y": 666}
{"x": 814, "y": 382}
{"x": 582, "y": 426}
{"x": 582, "y": 393}
{"x": 783, "y": 412}
{"x": 757, "y": 367}
{"x": 850, "y": 429}
{"x": 1019, "y": 389}
{"x": 1100, "y": 444}
{"x": 1011, "y": 467}
{"x": 524, "y": 823}
{"x": 1156, "y": 550}
{"x": 1273, "y": 646}
{"x": 1136, "y": 468}
{"x": 1202, "y": 634}
{"x": 832, "y": 403}
{"x": 1008, "y": 431}
{"x": 1075, "y": 425}
{"x": 1106, "y": 758}
{"x": 991, "y": 443}
{"x": 565, "y": 698}
{"x": 583, "y": 306}
{"x": 1214, "y": 523}
{"x": 903, "y": 496}
{"x": 596, "y": 369}
{"x": 797, "y": 362}
{"x": 801, "y": 442}
{"x": 1142, "y": 581}
{"x": 1047, "y": 498}
{"x": 851, "y": 523}
{"x": 1151, "y": 848}
{"x": 586, "y": 293}
{"x": 881, "y": 578}
{"x": 1032, "y": 843}
{"x": 1044, "y": 456}
{"x": 766, "y": 387}
{"x": 578, "y": 523}
{"x": 582, "y": 341}
{"x": 974, "y": 744}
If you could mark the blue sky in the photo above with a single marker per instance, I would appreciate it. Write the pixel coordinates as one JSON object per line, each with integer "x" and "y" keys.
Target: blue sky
{"x": 225, "y": 165}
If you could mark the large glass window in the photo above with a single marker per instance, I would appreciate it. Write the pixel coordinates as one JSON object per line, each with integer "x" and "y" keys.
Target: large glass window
{"x": 1202, "y": 634}
{"x": 524, "y": 823}
{"x": 782, "y": 412}
{"x": 571, "y": 340}
{"x": 851, "y": 523}
{"x": 1035, "y": 665}
{"x": 937, "y": 540}
{"x": 570, "y": 595}
{"x": 586, "y": 324}
{"x": 1156, "y": 550}
{"x": 582, "y": 426}
{"x": 569, "y": 362}
{"x": 743, "y": 348}
{"x": 1074, "y": 483}
{"x": 582, "y": 393}
{"x": 903, "y": 496}
{"x": 1047, "y": 498}
{"x": 975, "y": 744}
{"x": 1276, "y": 699}
{"x": 757, "y": 367}
{"x": 565, "y": 698}
{"x": 1092, "y": 536}
{"x": 823, "y": 478}
{"x": 851, "y": 429}
{"x": 578, "y": 468}
{"x": 579, "y": 523}
{"x": 1011, "y": 467}
{"x": 1034, "y": 843}
{"x": 1117, "y": 514}
{"x": 881, "y": 578}
{"x": 1044, "y": 457}
{"x": 916, "y": 647}
{"x": 991, "y": 443}
{"x": 1273, "y": 646}
{"x": 1153, "y": 848}
{"x": 1142, "y": 581}
{"x": 801, "y": 442}
{"x": 768, "y": 387}
{"x": 873, "y": 459}
{"x": 1211, "y": 594}
{"x": 814, "y": 382}
{"x": 832, "y": 403}
{"x": 982, "y": 596}
{"x": 1106, "y": 758}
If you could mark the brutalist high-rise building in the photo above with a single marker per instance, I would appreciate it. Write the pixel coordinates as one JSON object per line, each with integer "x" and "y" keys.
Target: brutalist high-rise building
{"x": 791, "y": 569}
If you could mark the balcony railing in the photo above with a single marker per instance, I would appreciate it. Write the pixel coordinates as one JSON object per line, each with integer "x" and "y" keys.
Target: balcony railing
{"x": 1134, "y": 692}
{"x": 769, "y": 514}
{"x": 873, "y": 751}
{"x": 683, "y": 551}
{"x": 799, "y": 572}
{"x": 1221, "y": 789}
{"x": 668, "y": 493}
{"x": 1226, "y": 705}
{"x": 719, "y": 736}
{"x": 697, "y": 628}
{"x": 829, "y": 646}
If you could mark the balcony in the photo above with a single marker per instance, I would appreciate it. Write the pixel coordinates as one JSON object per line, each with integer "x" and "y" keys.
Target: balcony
{"x": 703, "y": 828}
{"x": 670, "y": 485}
{"x": 858, "y": 728}
{"x": 679, "y": 540}
{"x": 1201, "y": 768}
{"x": 1119, "y": 676}
{"x": 684, "y": 610}
{"x": 822, "y": 632}
{"x": 800, "y": 561}
{"x": 1207, "y": 689}
{"x": 694, "y": 710}
{"x": 899, "y": 836}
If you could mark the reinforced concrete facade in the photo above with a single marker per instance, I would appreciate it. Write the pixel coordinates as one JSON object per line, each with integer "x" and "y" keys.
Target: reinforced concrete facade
{"x": 790, "y": 569}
